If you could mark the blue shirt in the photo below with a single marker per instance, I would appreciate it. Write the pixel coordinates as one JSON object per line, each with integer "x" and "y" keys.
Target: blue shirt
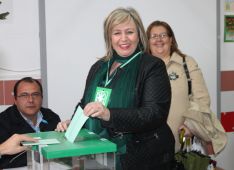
{"x": 39, "y": 120}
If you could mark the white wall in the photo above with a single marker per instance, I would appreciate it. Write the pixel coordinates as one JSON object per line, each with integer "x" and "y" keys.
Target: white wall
{"x": 75, "y": 40}
{"x": 19, "y": 45}
{"x": 19, "y": 41}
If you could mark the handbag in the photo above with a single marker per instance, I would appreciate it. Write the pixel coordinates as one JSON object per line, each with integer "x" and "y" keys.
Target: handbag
{"x": 177, "y": 165}
{"x": 190, "y": 159}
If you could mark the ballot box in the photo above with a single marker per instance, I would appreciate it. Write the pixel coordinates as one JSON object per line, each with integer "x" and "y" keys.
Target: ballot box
{"x": 88, "y": 152}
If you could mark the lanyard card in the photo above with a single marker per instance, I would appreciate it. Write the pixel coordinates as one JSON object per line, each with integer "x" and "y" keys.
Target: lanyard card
{"x": 102, "y": 95}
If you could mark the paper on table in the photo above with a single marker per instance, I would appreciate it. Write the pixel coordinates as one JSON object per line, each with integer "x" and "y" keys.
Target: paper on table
{"x": 76, "y": 124}
{"x": 41, "y": 142}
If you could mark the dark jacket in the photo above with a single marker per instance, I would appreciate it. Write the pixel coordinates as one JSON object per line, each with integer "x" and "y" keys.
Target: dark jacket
{"x": 12, "y": 122}
{"x": 152, "y": 141}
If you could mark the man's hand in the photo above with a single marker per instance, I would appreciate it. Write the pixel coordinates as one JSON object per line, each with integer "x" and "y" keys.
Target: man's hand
{"x": 13, "y": 144}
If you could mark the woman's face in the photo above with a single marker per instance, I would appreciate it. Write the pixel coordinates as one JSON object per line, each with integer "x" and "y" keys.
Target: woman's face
{"x": 160, "y": 42}
{"x": 124, "y": 38}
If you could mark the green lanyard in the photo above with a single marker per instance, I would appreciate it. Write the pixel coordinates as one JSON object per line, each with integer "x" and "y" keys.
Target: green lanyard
{"x": 121, "y": 66}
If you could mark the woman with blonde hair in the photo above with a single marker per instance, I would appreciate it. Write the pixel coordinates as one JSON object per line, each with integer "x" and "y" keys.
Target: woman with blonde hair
{"x": 135, "y": 116}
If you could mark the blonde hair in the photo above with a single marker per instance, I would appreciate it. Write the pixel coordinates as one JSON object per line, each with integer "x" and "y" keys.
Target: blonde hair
{"x": 118, "y": 16}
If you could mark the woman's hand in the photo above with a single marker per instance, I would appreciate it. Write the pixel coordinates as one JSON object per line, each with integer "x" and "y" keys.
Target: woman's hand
{"x": 97, "y": 109}
{"x": 62, "y": 126}
{"x": 187, "y": 133}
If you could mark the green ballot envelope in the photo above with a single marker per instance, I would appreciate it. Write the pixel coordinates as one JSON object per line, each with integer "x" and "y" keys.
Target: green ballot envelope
{"x": 76, "y": 124}
{"x": 102, "y": 95}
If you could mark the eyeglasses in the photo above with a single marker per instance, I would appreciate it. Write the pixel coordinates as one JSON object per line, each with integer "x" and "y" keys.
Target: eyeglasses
{"x": 26, "y": 96}
{"x": 159, "y": 36}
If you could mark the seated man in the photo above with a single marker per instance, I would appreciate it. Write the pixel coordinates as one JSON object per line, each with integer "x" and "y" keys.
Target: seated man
{"x": 26, "y": 116}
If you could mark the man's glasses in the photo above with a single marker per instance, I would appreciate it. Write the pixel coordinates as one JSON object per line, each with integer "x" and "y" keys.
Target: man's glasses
{"x": 159, "y": 36}
{"x": 26, "y": 96}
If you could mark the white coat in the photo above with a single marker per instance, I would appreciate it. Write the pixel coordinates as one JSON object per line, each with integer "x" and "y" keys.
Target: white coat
{"x": 194, "y": 110}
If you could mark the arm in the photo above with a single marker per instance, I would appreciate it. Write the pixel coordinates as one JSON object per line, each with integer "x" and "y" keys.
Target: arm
{"x": 154, "y": 95}
{"x": 12, "y": 145}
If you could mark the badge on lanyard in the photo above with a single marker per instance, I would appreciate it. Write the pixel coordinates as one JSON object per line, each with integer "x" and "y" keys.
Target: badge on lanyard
{"x": 102, "y": 95}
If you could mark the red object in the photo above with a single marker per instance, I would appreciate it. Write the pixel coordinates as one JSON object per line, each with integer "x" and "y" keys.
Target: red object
{"x": 209, "y": 148}
{"x": 227, "y": 120}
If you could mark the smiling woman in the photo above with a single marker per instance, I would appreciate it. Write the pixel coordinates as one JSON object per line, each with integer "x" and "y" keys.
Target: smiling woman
{"x": 192, "y": 112}
{"x": 135, "y": 115}
{"x": 124, "y": 38}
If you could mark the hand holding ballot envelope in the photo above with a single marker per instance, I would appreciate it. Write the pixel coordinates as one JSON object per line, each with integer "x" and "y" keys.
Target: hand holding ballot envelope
{"x": 98, "y": 110}
{"x": 72, "y": 127}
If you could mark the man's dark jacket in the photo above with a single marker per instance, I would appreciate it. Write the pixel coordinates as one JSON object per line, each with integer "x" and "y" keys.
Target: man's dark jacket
{"x": 12, "y": 122}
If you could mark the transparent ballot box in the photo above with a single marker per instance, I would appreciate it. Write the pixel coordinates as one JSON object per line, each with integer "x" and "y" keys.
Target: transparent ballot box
{"x": 88, "y": 152}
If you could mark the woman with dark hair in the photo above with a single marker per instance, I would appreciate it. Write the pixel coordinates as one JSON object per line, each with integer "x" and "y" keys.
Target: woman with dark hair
{"x": 190, "y": 103}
